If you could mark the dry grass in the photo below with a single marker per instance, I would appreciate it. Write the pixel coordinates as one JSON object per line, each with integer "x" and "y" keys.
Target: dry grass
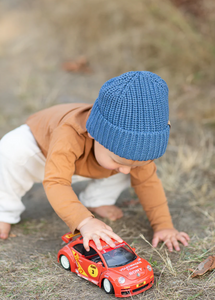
{"x": 116, "y": 36}
{"x": 185, "y": 166}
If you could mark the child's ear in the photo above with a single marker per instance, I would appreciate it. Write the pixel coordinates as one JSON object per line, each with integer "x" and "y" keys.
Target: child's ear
{"x": 90, "y": 136}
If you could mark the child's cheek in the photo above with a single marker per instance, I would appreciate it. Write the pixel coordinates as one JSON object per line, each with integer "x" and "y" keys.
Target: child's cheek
{"x": 107, "y": 164}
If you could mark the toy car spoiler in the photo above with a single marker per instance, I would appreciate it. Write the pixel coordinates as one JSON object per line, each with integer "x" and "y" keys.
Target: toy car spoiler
{"x": 69, "y": 236}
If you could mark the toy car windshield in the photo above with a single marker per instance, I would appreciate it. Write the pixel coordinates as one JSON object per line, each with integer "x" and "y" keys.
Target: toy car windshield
{"x": 119, "y": 257}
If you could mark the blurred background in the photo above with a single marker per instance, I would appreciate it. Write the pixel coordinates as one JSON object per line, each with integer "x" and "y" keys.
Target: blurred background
{"x": 54, "y": 52}
{"x": 63, "y": 51}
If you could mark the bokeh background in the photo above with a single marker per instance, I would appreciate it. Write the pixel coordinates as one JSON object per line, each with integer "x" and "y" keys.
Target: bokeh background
{"x": 55, "y": 52}
{"x": 174, "y": 39}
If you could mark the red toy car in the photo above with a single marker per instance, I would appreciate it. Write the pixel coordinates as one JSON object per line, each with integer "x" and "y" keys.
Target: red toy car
{"x": 118, "y": 270}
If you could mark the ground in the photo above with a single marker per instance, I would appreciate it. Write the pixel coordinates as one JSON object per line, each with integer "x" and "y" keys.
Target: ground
{"x": 36, "y": 38}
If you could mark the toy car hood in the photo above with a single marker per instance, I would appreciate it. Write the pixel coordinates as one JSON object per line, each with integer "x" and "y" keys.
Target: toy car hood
{"x": 132, "y": 271}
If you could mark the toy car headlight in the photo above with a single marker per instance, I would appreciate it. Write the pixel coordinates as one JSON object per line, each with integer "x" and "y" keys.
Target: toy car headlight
{"x": 121, "y": 279}
{"x": 149, "y": 267}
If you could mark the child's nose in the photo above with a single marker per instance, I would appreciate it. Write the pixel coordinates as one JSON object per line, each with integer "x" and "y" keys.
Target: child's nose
{"x": 125, "y": 170}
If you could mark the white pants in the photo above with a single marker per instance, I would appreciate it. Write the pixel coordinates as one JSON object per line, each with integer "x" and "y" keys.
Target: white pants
{"x": 22, "y": 163}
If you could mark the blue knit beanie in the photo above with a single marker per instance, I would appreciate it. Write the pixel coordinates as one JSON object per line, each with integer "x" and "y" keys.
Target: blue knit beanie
{"x": 130, "y": 116}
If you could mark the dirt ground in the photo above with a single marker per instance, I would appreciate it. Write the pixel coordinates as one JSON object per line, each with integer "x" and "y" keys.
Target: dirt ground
{"x": 36, "y": 38}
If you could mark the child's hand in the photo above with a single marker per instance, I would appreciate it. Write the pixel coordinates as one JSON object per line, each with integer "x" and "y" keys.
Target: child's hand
{"x": 170, "y": 237}
{"x": 94, "y": 229}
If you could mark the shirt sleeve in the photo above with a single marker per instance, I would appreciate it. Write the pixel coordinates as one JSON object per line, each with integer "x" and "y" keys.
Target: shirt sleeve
{"x": 151, "y": 194}
{"x": 65, "y": 147}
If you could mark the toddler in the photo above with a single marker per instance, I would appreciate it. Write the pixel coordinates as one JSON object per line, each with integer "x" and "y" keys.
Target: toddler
{"x": 113, "y": 142}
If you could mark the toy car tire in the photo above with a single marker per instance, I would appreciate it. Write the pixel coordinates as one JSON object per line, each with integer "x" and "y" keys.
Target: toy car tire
{"x": 65, "y": 262}
{"x": 107, "y": 285}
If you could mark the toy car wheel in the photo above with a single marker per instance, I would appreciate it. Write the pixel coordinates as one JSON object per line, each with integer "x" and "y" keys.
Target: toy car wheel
{"x": 108, "y": 286}
{"x": 65, "y": 262}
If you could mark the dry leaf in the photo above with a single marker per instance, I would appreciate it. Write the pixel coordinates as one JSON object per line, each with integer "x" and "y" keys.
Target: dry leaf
{"x": 79, "y": 65}
{"x": 12, "y": 235}
{"x": 204, "y": 266}
{"x": 213, "y": 264}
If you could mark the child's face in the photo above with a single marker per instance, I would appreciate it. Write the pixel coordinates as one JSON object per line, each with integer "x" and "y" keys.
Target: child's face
{"x": 111, "y": 161}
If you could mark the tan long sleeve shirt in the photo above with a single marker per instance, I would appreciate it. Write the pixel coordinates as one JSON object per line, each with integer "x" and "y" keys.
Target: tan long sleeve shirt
{"x": 61, "y": 134}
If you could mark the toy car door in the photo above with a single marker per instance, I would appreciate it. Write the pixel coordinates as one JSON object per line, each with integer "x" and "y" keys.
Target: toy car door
{"x": 92, "y": 264}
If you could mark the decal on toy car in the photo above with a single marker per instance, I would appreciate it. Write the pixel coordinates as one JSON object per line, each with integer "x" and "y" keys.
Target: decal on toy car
{"x": 80, "y": 269}
{"x": 93, "y": 271}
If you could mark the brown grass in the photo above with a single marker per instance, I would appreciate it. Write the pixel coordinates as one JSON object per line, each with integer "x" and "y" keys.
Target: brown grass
{"x": 116, "y": 36}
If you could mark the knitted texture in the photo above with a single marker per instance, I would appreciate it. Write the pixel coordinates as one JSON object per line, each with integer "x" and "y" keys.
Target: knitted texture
{"x": 130, "y": 116}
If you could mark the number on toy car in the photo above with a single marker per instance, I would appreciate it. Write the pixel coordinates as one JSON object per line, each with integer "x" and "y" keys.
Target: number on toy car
{"x": 65, "y": 262}
{"x": 108, "y": 286}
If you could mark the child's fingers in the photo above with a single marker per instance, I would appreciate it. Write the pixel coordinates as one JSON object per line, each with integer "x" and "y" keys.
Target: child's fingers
{"x": 107, "y": 239}
{"x": 155, "y": 241}
{"x": 182, "y": 240}
{"x": 185, "y": 235}
{"x": 97, "y": 242}
{"x": 86, "y": 243}
{"x": 175, "y": 244}
{"x": 168, "y": 243}
{"x": 113, "y": 235}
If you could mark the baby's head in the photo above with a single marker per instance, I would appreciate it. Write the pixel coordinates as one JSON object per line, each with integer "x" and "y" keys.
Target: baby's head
{"x": 129, "y": 119}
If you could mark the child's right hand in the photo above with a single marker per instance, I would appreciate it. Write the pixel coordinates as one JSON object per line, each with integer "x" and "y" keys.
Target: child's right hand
{"x": 94, "y": 229}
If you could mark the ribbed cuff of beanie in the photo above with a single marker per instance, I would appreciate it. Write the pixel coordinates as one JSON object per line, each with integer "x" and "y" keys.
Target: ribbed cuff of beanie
{"x": 140, "y": 146}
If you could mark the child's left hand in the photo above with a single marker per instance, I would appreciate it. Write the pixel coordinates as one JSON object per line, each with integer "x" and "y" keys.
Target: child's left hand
{"x": 170, "y": 237}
